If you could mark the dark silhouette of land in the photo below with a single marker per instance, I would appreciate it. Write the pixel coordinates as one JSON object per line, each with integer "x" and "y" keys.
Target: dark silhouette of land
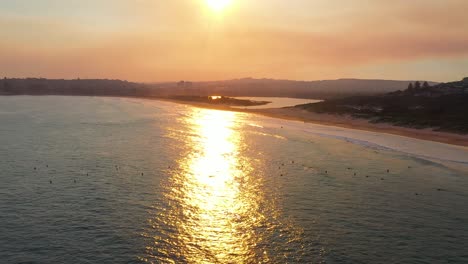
{"x": 327, "y": 89}
{"x": 442, "y": 107}
{"x": 39, "y": 86}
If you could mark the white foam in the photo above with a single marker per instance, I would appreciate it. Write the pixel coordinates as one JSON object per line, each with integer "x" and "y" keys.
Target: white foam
{"x": 382, "y": 141}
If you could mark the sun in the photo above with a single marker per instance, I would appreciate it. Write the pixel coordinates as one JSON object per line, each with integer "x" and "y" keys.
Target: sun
{"x": 218, "y": 5}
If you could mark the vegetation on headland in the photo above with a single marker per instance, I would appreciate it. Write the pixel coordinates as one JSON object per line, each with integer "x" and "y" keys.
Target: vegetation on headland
{"x": 442, "y": 107}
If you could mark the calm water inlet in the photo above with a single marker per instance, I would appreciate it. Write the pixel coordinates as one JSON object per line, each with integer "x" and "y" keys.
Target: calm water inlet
{"x": 107, "y": 180}
{"x": 275, "y": 102}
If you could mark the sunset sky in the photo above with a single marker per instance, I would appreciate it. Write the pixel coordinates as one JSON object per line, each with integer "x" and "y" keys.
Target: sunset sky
{"x": 170, "y": 40}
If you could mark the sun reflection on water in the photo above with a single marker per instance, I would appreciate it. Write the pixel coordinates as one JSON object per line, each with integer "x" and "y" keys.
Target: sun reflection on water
{"x": 212, "y": 187}
{"x": 215, "y": 203}
{"x": 214, "y": 208}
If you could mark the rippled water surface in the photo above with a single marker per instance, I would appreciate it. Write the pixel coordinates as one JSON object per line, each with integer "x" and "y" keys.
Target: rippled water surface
{"x": 105, "y": 180}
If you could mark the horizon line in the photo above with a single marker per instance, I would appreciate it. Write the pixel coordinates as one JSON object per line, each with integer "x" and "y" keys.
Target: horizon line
{"x": 230, "y": 79}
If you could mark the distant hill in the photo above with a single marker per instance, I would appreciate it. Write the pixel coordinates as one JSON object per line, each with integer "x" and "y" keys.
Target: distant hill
{"x": 240, "y": 87}
{"x": 285, "y": 88}
{"x": 442, "y": 107}
{"x": 39, "y": 86}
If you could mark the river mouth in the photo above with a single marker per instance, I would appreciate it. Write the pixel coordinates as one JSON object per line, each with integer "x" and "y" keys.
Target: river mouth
{"x": 275, "y": 102}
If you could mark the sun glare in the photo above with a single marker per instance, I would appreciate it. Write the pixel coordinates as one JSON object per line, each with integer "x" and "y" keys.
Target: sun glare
{"x": 218, "y": 5}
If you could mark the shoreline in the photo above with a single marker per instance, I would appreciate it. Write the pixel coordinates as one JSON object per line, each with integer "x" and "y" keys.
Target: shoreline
{"x": 293, "y": 114}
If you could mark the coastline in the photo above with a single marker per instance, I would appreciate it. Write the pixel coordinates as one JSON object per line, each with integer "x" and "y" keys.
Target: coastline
{"x": 305, "y": 116}
{"x": 294, "y": 114}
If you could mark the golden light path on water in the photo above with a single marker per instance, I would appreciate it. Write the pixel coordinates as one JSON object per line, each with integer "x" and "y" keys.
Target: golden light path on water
{"x": 215, "y": 206}
{"x": 213, "y": 199}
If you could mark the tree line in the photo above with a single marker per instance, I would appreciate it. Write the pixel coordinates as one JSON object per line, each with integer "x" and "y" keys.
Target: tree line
{"x": 418, "y": 86}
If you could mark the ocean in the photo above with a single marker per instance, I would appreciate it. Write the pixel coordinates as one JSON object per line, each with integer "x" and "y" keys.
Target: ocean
{"x": 116, "y": 180}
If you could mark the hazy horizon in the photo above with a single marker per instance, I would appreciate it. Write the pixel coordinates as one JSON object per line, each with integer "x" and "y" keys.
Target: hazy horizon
{"x": 160, "y": 41}
{"x": 221, "y": 80}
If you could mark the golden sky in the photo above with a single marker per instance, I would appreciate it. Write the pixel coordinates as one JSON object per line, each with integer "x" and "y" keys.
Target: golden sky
{"x": 170, "y": 40}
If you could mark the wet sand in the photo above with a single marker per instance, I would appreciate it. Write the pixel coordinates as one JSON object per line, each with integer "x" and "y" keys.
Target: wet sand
{"x": 364, "y": 124}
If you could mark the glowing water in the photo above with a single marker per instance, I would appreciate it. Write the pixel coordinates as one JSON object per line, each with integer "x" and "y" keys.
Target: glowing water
{"x": 161, "y": 182}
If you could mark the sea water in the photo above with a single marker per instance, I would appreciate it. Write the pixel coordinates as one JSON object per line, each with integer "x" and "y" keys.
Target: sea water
{"x": 108, "y": 180}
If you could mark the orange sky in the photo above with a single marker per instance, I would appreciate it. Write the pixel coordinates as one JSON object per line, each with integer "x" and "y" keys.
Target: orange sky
{"x": 161, "y": 40}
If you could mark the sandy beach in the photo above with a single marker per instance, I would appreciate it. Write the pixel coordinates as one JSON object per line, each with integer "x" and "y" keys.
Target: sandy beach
{"x": 291, "y": 113}
{"x": 363, "y": 124}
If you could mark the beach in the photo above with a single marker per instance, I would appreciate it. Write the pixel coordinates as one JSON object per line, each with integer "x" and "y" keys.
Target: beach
{"x": 291, "y": 113}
